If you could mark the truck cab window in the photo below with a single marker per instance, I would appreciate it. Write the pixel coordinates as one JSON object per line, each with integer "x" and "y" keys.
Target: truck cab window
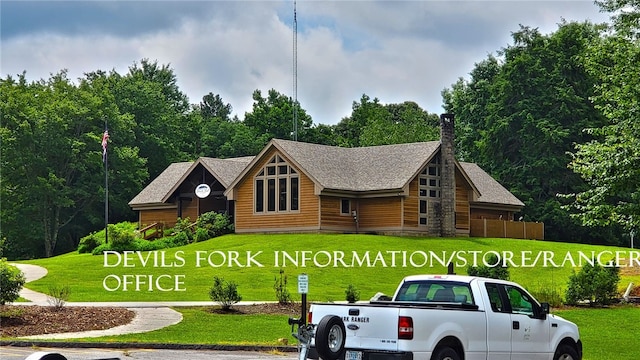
{"x": 494, "y": 298}
{"x": 427, "y": 291}
{"x": 520, "y": 302}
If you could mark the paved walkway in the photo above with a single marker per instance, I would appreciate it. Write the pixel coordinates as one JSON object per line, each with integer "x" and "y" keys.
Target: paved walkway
{"x": 149, "y": 315}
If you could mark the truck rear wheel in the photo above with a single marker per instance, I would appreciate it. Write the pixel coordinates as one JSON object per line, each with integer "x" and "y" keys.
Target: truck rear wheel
{"x": 566, "y": 352}
{"x": 330, "y": 337}
{"x": 446, "y": 353}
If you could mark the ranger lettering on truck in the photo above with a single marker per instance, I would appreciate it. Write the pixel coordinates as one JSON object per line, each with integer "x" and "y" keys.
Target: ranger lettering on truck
{"x": 441, "y": 317}
{"x": 355, "y": 319}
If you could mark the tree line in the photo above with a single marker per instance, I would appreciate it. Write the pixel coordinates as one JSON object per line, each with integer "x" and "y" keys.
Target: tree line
{"x": 53, "y": 177}
{"x": 553, "y": 117}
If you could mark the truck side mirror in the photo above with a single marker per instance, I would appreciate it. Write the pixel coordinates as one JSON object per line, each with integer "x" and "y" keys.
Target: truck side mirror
{"x": 544, "y": 310}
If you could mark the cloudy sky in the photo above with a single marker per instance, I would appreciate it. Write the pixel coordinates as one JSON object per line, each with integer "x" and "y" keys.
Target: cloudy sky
{"x": 393, "y": 50}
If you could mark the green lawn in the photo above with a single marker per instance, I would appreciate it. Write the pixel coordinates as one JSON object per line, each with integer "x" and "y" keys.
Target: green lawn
{"x": 607, "y": 334}
{"x": 253, "y": 262}
{"x": 200, "y": 326}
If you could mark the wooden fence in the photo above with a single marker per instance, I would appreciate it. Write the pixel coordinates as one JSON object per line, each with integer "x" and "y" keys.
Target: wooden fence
{"x": 507, "y": 229}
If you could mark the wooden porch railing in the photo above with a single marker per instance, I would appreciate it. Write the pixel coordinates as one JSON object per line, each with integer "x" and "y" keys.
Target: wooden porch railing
{"x": 158, "y": 231}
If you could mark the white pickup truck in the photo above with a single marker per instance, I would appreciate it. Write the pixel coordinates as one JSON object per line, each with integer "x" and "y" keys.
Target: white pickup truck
{"x": 444, "y": 317}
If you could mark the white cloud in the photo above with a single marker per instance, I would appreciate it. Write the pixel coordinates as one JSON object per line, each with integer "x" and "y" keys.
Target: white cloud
{"x": 395, "y": 50}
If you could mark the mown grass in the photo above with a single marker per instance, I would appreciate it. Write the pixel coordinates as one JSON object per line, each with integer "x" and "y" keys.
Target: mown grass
{"x": 200, "y": 326}
{"x": 85, "y": 273}
{"x": 609, "y": 333}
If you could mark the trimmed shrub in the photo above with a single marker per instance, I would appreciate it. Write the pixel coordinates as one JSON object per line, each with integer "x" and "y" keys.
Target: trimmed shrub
{"x": 11, "y": 282}
{"x": 179, "y": 239}
{"x": 352, "y": 294}
{"x": 100, "y": 249}
{"x": 90, "y": 242}
{"x": 183, "y": 231}
{"x": 215, "y": 224}
{"x": 224, "y": 293}
{"x": 125, "y": 236}
{"x": 593, "y": 284}
{"x": 122, "y": 235}
{"x": 222, "y": 225}
{"x": 201, "y": 235}
{"x": 146, "y": 245}
{"x": 206, "y": 220}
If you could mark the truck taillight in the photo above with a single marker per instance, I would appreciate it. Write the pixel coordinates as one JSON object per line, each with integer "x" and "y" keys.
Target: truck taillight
{"x": 405, "y": 328}
{"x": 309, "y": 318}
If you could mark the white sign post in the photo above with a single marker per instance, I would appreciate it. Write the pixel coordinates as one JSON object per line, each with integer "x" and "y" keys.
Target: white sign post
{"x": 303, "y": 284}
{"x": 303, "y": 288}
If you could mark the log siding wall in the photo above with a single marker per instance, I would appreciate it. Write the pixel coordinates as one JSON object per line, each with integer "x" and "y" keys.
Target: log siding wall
{"x": 332, "y": 219}
{"x": 376, "y": 214}
{"x": 247, "y": 220}
{"x": 410, "y": 210}
{"x": 166, "y": 216}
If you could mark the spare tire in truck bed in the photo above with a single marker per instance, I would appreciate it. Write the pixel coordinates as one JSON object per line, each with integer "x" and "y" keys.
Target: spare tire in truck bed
{"x": 330, "y": 337}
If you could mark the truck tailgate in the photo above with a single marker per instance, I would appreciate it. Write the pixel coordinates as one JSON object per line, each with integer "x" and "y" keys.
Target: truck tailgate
{"x": 368, "y": 326}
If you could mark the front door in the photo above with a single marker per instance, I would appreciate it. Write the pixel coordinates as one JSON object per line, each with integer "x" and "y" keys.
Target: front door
{"x": 529, "y": 333}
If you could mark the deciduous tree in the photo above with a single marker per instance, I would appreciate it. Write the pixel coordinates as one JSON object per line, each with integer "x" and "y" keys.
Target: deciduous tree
{"x": 373, "y": 123}
{"x": 273, "y": 115}
{"x": 520, "y": 116}
{"x": 52, "y": 165}
{"x": 610, "y": 163}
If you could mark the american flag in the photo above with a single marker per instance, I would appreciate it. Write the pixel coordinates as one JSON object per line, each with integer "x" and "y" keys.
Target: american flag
{"x": 105, "y": 140}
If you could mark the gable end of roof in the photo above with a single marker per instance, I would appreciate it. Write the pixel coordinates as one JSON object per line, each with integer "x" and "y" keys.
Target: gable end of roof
{"x": 491, "y": 191}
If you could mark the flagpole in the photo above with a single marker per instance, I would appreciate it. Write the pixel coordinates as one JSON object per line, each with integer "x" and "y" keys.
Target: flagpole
{"x": 105, "y": 139}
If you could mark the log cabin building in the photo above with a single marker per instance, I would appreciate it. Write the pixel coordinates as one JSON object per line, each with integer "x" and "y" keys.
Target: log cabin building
{"x": 416, "y": 188}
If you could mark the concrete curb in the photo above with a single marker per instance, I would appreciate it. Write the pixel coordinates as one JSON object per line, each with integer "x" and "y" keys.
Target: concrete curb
{"x": 159, "y": 346}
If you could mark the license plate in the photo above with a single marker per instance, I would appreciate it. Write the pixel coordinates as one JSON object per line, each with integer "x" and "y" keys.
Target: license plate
{"x": 353, "y": 355}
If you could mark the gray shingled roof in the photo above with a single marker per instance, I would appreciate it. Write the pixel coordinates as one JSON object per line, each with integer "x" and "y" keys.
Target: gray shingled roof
{"x": 155, "y": 192}
{"x": 159, "y": 190}
{"x": 226, "y": 170}
{"x": 374, "y": 168}
{"x": 490, "y": 190}
{"x": 386, "y": 167}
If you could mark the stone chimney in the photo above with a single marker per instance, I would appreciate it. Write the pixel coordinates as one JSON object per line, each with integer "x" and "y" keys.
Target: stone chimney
{"x": 447, "y": 177}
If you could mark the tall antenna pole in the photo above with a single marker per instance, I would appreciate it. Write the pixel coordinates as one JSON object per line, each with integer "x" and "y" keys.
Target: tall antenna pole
{"x": 105, "y": 155}
{"x": 295, "y": 73}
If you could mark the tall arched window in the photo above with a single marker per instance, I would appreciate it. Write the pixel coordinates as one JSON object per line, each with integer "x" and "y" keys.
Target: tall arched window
{"x": 277, "y": 187}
